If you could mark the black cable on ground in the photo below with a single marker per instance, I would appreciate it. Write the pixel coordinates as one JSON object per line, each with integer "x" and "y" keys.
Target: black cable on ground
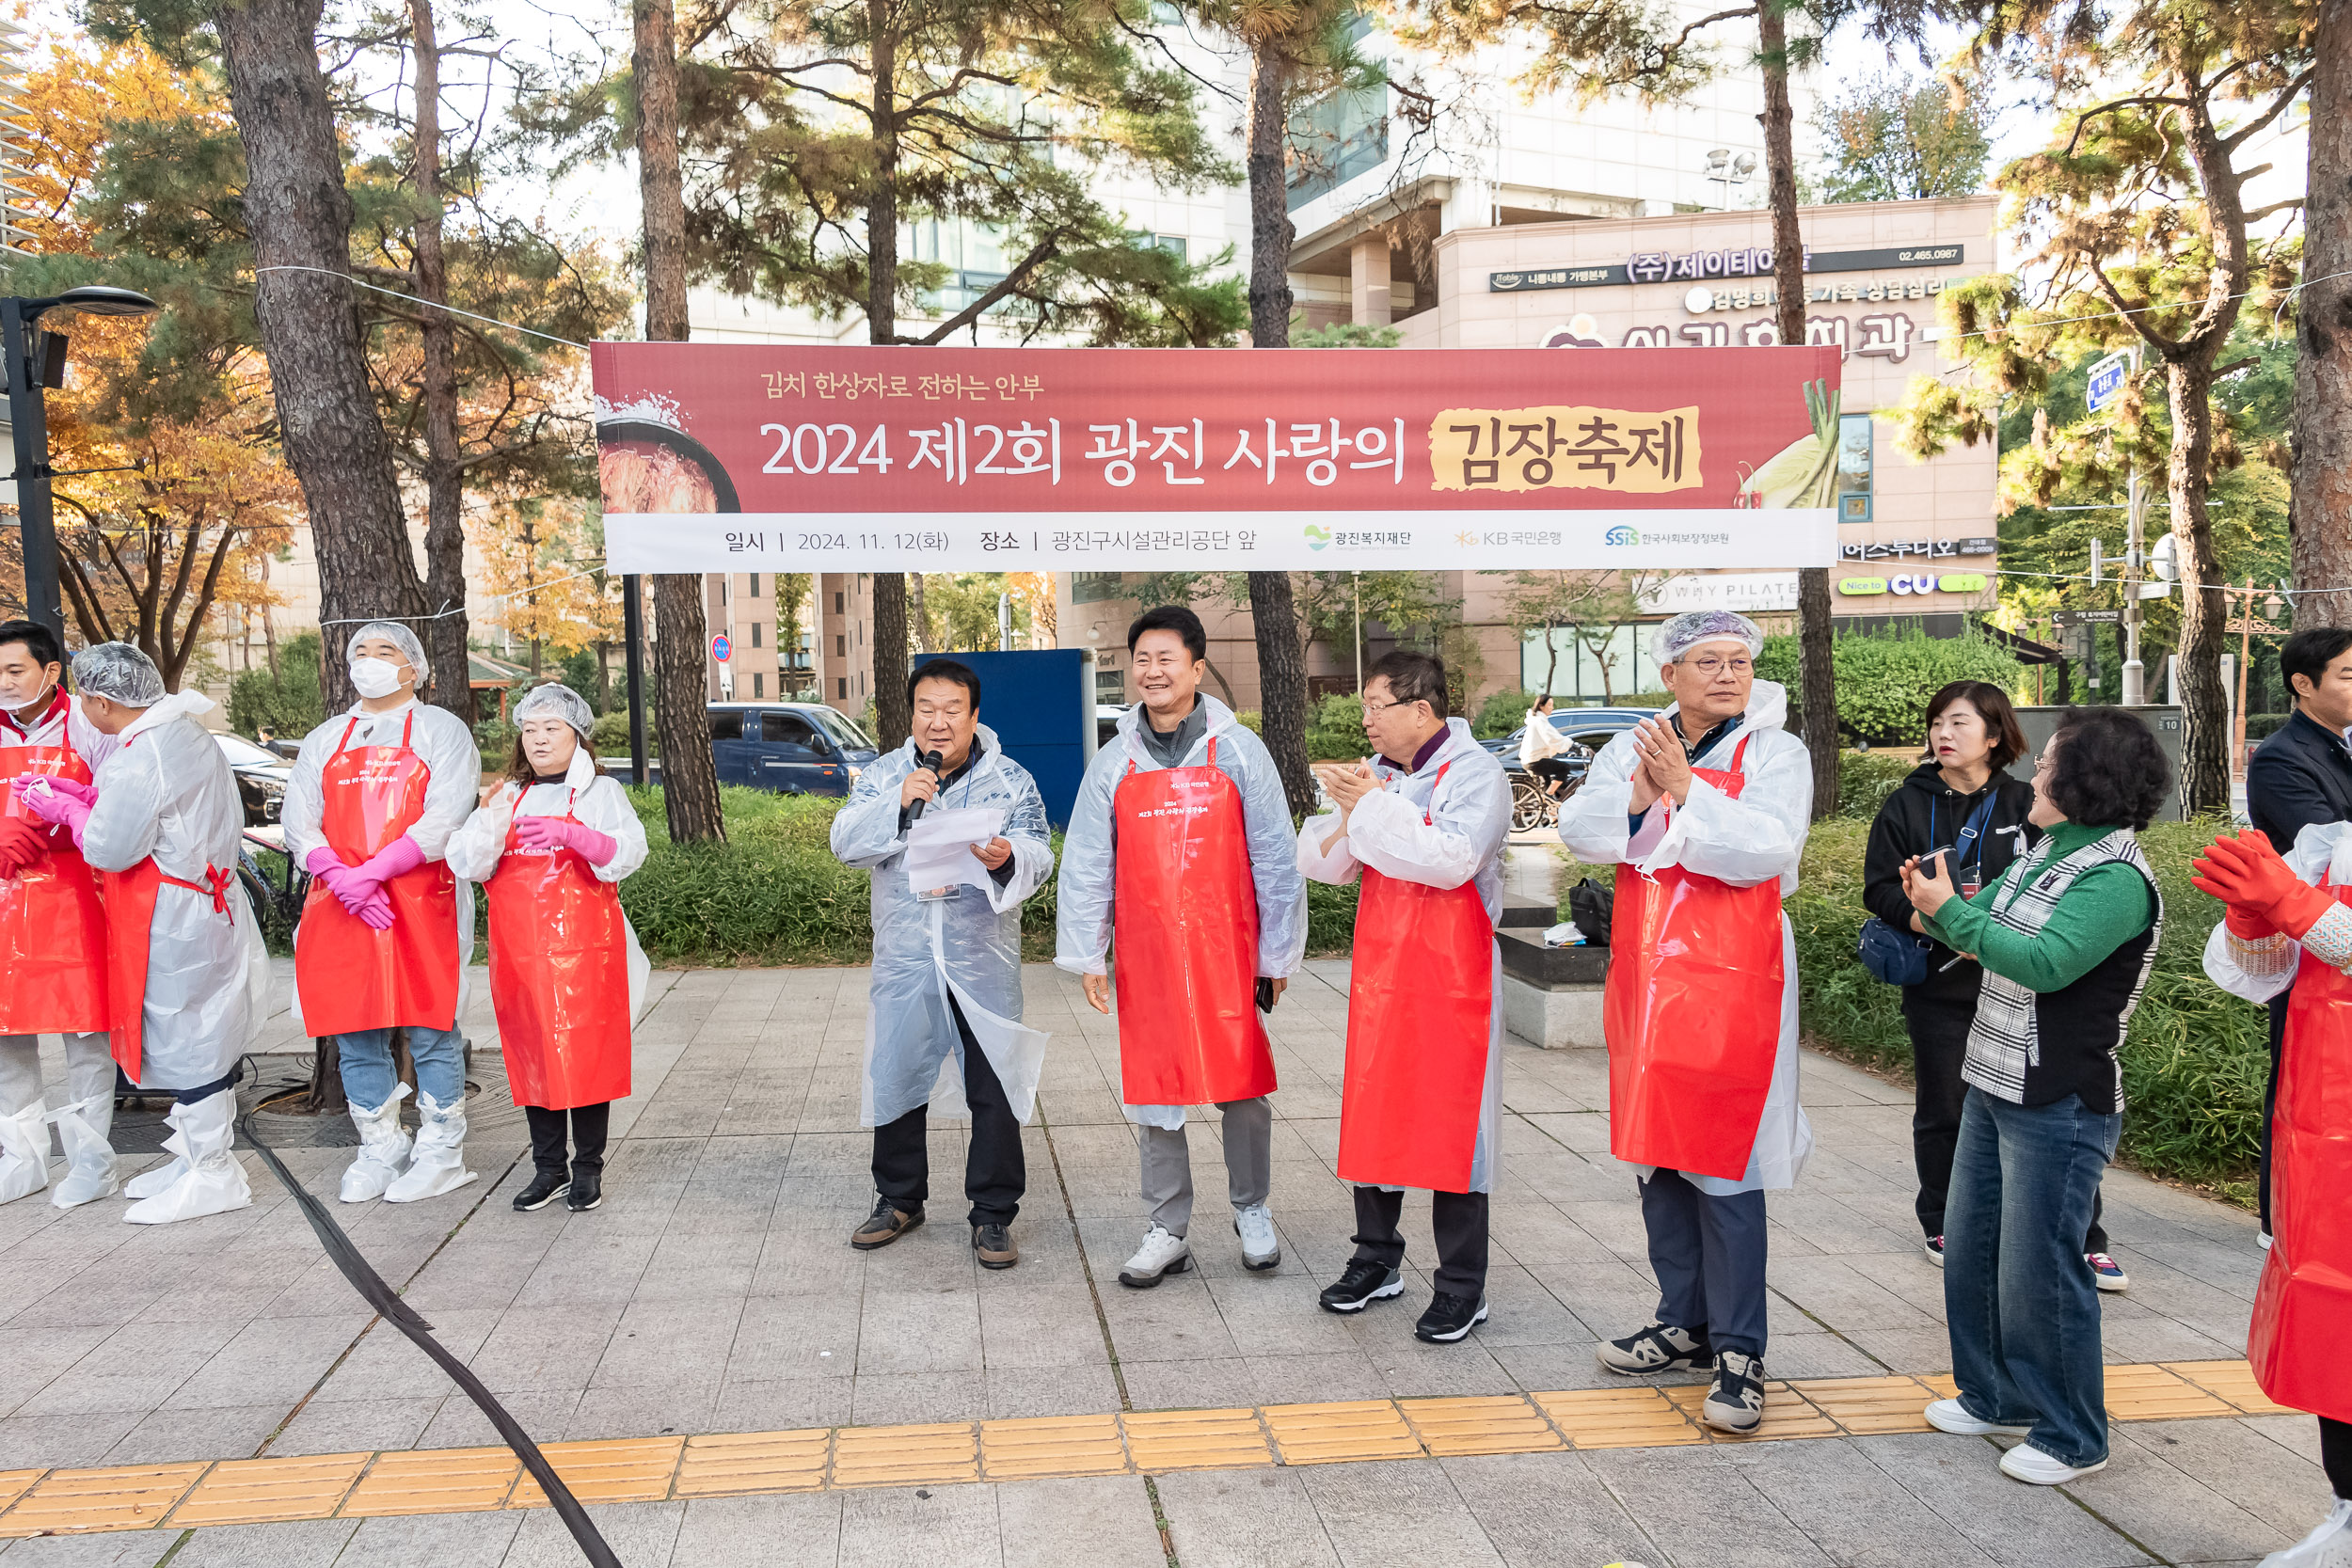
{"x": 386, "y": 1302}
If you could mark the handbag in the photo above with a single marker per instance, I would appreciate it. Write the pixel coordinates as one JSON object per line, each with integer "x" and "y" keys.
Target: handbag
{"x": 1900, "y": 958}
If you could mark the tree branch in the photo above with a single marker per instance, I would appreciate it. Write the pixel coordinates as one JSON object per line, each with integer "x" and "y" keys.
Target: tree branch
{"x": 1046, "y": 249}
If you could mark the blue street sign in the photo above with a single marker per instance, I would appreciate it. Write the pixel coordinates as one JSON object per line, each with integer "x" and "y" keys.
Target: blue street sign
{"x": 2106, "y": 379}
{"x": 721, "y": 649}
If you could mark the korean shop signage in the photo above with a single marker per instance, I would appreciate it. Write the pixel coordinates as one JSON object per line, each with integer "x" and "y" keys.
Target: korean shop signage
{"x": 1697, "y": 267}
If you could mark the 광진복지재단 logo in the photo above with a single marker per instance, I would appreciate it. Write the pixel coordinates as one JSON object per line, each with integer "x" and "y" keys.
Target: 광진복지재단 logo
{"x": 1317, "y": 536}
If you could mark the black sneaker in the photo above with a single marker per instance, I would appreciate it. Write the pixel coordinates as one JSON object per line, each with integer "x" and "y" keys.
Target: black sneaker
{"x": 545, "y": 1187}
{"x": 1449, "y": 1318}
{"x": 993, "y": 1244}
{"x": 1655, "y": 1349}
{"x": 885, "y": 1224}
{"x": 1935, "y": 1250}
{"x": 587, "y": 1191}
{"x": 1735, "y": 1400}
{"x": 1362, "y": 1283}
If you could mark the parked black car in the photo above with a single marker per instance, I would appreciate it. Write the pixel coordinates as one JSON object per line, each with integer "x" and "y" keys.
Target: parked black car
{"x": 261, "y": 777}
{"x": 791, "y": 748}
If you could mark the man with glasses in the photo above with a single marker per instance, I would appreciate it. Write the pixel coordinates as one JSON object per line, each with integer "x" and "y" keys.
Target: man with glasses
{"x": 1702, "y": 810}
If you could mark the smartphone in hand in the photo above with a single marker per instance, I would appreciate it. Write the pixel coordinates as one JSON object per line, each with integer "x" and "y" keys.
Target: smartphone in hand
{"x": 1265, "y": 995}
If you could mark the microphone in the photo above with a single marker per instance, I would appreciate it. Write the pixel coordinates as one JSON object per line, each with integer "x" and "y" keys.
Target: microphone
{"x": 934, "y": 761}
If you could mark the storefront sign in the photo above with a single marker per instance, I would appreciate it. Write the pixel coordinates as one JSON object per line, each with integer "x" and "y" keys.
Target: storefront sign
{"x": 1741, "y": 591}
{"x": 740, "y": 457}
{"x": 1914, "y": 582}
{"x": 1659, "y": 266}
{"x": 1925, "y": 549}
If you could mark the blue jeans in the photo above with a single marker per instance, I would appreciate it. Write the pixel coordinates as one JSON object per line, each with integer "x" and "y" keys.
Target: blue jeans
{"x": 2021, "y": 1302}
{"x": 366, "y": 1058}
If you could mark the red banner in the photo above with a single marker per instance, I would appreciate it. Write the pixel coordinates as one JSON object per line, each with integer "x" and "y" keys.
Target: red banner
{"x": 731, "y": 457}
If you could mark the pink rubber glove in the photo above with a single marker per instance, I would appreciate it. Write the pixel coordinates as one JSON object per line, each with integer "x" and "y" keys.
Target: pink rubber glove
{"x": 377, "y": 912}
{"x": 343, "y": 882}
{"x": 538, "y": 832}
{"x": 69, "y": 812}
{"x": 317, "y": 862}
{"x": 401, "y": 855}
{"x": 86, "y": 794}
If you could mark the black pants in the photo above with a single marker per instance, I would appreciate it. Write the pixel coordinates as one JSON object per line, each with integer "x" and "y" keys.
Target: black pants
{"x": 2270, "y": 1104}
{"x": 1550, "y": 771}
{"x": 1459, "y": 1220}
{"x": 2335, "y": 1455}
{"x": 995, "y": 1172}
{"x": 588, "y": 1125}
{"x": 1938, "y": 1024}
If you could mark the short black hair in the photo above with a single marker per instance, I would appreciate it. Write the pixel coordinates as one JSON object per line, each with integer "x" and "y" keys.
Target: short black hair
{"x": 1993, "y": 706}
{"x": 2307, "y": 653}
{"x": 2109, "y": 772}
{"x": 38, "y": 640}
{"x": 1412, "y": 678}
{"x": 945, "y": 670}
{"x": 1175, "y": 618}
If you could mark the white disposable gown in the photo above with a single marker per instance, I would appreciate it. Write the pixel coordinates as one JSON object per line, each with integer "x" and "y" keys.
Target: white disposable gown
{"x": 475, "y": 848}
{"x": 1465, "y": 842}
{"x": 1089, "y": 873}
{"x": 1757, "y": 838}
{"x": 66, "y": 727}
{"x": 927, "y": 950}
{"x": 167, "y": 792}
{"x": 454, "y": 765}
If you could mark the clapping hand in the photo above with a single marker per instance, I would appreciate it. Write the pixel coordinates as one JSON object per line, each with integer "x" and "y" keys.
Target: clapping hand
{"x": 1660, "y": 766}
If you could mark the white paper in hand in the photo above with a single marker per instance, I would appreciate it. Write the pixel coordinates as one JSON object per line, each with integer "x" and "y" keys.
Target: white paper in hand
{"x": 939, "y": 848}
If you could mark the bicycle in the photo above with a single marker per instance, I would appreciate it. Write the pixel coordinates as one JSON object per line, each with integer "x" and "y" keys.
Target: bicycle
{"x": 1531, "y": 808}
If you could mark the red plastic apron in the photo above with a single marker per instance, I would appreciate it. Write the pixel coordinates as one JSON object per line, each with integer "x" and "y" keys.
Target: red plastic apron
{"x": 1184, "y": 919}
{"x": 2304, "y": 1299}
{"x": 1420, "y": 1007}
{"x": 559, "y": 977}
{"x": 350, "y": 975}
{"x": 130, "y": 923}
{"x": 53, "y": 928}
{"x": 1691, "y": 1012}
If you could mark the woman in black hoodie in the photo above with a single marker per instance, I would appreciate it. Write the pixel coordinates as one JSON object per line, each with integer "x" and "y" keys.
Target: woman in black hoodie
{"x": 1973, "y": 737}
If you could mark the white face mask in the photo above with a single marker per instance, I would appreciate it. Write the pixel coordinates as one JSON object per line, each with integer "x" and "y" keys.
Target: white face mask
{"x": 374, "y": 677}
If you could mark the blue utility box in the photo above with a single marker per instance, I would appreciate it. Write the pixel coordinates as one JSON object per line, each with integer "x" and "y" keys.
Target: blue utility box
{"x": 1040, "y": 703}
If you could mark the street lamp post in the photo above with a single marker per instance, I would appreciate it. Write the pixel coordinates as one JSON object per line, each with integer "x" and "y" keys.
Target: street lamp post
{"x": 36, "y": 362}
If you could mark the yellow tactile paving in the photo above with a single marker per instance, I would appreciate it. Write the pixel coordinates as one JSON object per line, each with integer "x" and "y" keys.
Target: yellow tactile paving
{"x": 2232, "y": 1381}
{"x": 1163, "y": 1440}
{"x": 629, "y": 1470}
{"x": 1052, "y": 1446}
{"x": 1499, "y": 1423}
{"x": 1618, "y": 1418}
{"x": 2153, "y": 1394}
{"x": 433, "y": 1481}
{"x": 1868, "y": 1405}
{"x": 446, "y": 1480}
{"x": 904, "y": 1456}
{"x": 1352, "y": 1428}
{"x": 126, "y": 1496}
{"x": 257, "y": 1491}
{"x": 737, "y": 1463}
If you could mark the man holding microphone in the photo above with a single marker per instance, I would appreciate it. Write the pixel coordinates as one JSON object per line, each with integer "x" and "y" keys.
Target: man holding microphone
{"x": 1180, "y": 845}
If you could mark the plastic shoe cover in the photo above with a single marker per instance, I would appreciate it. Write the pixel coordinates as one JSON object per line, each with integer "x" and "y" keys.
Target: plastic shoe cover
{"x": 383, "y": 1150}
{"x": 437, "y": 1165}
{"x": 148, "y": 1182}
{"x": 23, "y": 1153}
{"x": 215, "y": 1182}
{"x": 2328, "y": 1546}
{"x": 83, "y": 1128}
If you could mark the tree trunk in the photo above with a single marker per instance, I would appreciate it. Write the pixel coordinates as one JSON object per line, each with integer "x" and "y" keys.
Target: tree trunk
{"x": 2321, "y": 516}
{"x": 1270, "y": 230}
{"x": 1282, "y": 685}
{"x": 894, "y": 718}
{"x": 689, "y": 779}
{"x": 299, "y": 215}
{"x": 1816, "y": 644}
{"x": 444, "y": 635}
{"x": 2204, "y": 750}
{"x": 919, "y": 614}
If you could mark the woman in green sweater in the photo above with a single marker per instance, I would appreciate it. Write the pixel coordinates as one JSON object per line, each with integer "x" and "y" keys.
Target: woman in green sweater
{"x": 2066, "y": 937}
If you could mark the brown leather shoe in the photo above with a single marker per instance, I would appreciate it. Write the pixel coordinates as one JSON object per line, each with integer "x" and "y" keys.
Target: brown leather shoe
{"x": 994, "y": 1243}
{"x": 885, "y": 1224}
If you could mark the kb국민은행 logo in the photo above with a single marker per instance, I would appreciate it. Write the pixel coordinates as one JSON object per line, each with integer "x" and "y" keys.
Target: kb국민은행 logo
{"x": 1624, "y": 534}
{"x": 1317, "y": 536}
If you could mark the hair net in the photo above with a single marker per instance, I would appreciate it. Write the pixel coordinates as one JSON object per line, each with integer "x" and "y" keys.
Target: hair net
{"x": 394, "y": 632}
{"x": 118, "y": 673}
{"x": 557, "y": 701}
{"x": 1685, "y": 631}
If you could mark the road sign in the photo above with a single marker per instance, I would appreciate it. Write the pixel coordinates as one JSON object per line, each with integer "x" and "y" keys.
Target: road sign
{"x": 2087, "y": 617}
{"x": 721, "y": 648}
{"x": 2107, "y": 378}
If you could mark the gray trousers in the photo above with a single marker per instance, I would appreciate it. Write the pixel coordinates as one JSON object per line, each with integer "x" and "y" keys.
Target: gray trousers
{"x": 1248, "y": 1162}
{"x": 88, "y": 1069}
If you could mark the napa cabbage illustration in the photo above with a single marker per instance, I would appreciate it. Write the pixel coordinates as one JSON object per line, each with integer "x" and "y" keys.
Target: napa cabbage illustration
{"x": 1804, "y": 472}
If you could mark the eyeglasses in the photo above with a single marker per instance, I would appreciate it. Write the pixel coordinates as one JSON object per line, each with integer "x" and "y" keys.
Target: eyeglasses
{"x": 1372, "y": 707}
{"x": 1710, "y": 665}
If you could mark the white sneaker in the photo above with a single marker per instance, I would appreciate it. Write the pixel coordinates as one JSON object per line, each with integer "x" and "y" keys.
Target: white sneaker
{"x": 1261, "y": 1248}
{"x": 1163, "y": 1252}
{"x": 2028, "y": 1464}
{"x": 2328, "y": 1546}
{"x": 1953, "y": 1417}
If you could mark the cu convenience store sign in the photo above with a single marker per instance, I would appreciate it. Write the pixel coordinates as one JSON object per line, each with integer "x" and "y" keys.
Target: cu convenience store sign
{"x": 720, "y": 457}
